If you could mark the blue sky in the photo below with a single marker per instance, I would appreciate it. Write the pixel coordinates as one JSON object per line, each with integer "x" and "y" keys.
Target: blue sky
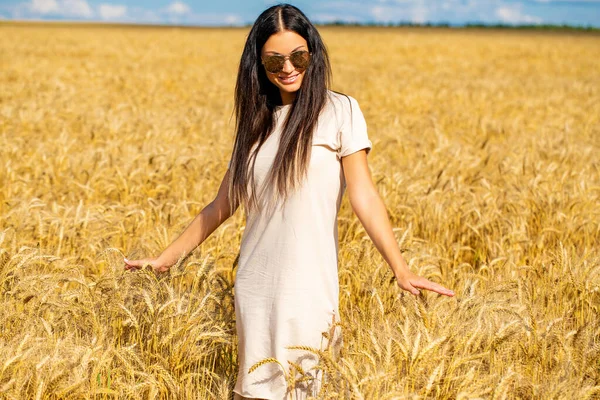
{"x": 240, "y": 12}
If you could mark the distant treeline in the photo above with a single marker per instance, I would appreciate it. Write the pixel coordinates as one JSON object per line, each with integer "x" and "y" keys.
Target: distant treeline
{"x": 478, "y": 25}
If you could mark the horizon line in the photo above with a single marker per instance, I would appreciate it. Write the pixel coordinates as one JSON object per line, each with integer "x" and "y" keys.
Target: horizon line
{"x": 399, "y": 24}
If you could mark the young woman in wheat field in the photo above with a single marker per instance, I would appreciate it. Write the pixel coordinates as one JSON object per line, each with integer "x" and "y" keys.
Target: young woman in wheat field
{"x": 298, "y": 146}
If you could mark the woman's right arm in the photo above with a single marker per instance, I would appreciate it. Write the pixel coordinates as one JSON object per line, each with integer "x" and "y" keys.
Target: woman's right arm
{"x": 205, "y": 223}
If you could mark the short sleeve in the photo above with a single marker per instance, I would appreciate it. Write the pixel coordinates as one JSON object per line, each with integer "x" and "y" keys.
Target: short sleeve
{"x": 353, "y": 129}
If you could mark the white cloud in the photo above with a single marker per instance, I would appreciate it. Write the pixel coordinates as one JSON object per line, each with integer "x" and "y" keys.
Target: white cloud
{"x": 67, "y": 8}
{"x": 177, "y": 12}
{"x": 77, "y": 8}
{"x": 44, "y": 6}
{"x": 419, "y": 12}
{"x": 380, "y": 13}
{"x": 112, "y": 11}
{"x": 513, "y": 15}
{"x": 413, "y": 11}
{"x": 232, "y": 19}
{"x": 178, "y": 7}
{"x": 143, "y": 15}
{"x": 214, "y": 19}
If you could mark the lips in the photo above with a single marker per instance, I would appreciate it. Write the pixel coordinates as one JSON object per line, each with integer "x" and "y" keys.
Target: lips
{"x": 288, "y": 79}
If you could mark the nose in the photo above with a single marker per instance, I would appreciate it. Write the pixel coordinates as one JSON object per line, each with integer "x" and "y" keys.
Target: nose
{"x": 288, "y": 67}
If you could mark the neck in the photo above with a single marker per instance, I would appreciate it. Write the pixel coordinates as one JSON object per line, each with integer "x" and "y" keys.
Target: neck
{"x": 287, "y": 98}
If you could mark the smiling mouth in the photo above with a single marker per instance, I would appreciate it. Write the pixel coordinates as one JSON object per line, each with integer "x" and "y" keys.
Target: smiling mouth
{"x": 288, "y": 79}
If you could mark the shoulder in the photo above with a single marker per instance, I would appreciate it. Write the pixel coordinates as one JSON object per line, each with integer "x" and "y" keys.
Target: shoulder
{"x": 341, "y": 107}
{"x": 334, "y": 116}
{"x": 341, "y": 124}
{"x": 340, "y": 101}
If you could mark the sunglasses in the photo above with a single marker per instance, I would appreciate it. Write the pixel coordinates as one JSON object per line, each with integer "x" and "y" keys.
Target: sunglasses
{"x": 274, "y": 64}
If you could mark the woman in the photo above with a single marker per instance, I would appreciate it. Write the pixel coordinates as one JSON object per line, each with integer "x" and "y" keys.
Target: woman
{"x": 297, "y": 145}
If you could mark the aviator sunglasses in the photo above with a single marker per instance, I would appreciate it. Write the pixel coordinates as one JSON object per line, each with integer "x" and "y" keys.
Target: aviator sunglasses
{"x": 274, "y": 64}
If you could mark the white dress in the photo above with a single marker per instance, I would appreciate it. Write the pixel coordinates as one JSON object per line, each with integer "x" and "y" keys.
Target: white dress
{"x": 286, "y": 286}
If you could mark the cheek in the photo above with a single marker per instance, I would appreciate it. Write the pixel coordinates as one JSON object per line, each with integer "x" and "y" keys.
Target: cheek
{"x": 302, "y": 75}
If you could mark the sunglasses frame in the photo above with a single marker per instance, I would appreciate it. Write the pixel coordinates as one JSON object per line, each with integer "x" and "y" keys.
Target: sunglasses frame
{"x": 285, "y": 58}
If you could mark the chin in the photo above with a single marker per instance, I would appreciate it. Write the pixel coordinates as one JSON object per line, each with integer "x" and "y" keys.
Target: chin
{"x": 291, "y": 89}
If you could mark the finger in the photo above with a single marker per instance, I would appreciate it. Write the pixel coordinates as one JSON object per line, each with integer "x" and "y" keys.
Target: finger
{"x": 432, "y": 286}
{"x": 410, "y": 288}
{"x": 135, "y": 263}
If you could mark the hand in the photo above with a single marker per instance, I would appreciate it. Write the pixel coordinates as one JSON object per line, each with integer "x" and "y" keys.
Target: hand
{"x": 413, "y": 282}
{"x": 156, "y": 265}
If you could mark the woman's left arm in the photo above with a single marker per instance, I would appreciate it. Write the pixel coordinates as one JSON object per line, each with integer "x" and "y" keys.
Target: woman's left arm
{"x": 371, "y": 212}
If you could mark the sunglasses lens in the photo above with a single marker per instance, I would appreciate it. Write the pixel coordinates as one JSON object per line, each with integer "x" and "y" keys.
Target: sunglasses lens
{"x": 274, "y": 64}
{"x": 300, "y": 59}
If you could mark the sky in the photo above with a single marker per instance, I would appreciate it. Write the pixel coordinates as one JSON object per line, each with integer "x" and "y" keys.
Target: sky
{"x": 244, "y": 12}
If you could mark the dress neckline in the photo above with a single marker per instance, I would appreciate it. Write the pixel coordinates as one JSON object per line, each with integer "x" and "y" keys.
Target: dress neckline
{"x": 283, "y": 107}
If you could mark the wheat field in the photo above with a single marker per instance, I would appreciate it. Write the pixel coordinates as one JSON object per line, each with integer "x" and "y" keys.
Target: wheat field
{"x": 485, "y": 151}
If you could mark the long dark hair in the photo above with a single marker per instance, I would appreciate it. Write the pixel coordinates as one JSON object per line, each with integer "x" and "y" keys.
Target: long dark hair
{"x": 256, "y": 98}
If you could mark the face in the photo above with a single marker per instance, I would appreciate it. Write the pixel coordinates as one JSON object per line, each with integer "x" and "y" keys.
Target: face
{"x": 289, "y": 79}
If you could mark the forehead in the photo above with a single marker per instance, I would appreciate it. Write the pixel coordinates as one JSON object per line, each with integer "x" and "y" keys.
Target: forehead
{"x": 284, "y": 42}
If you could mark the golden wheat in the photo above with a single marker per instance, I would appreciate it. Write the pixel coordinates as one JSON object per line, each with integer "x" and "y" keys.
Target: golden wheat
{"x": 485, "y": 152}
